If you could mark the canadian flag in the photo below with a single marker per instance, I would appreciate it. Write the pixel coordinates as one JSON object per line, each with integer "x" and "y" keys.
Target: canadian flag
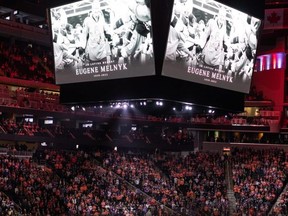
{"x": 274, "y": 18}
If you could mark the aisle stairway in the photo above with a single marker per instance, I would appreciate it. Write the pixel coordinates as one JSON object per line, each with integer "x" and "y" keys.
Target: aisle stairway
{"x": 277, "y": 201}
{"x": 230, "y": 192}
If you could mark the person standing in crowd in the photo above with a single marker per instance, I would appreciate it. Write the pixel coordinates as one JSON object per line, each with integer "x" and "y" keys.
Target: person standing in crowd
{"x": 94, "y": 42}
{"x": 176, "y": 42}
{"x": 62, "y": 57}
{"x": 137, "y": 42}
{"x": 244, "y": 67}
{"x": 213, "y": 40}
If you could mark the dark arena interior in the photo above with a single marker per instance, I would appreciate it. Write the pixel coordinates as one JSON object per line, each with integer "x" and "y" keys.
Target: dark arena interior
{"x": 143, "y": 108}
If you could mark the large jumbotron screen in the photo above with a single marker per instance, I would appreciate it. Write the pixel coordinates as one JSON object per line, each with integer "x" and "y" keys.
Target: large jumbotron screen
{"x": 211, "y": 44}
{"x": 102, "y": 40}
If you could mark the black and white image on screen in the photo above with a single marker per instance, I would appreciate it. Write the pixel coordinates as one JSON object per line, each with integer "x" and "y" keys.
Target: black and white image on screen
{"x": 102, "y": 39}
{"x": 211, "y": 43}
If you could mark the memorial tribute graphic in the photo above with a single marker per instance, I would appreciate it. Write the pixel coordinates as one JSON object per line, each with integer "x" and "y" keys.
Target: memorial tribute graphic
{"x": 211, "y": 44}
{"x": 102, "y": 39}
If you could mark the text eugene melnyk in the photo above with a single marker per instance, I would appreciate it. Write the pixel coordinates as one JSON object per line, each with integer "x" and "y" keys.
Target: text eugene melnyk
{"x": 210, "y": 74}
{"x": 101, "y": 68}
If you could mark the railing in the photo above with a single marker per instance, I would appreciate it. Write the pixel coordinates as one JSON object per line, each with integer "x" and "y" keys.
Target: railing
{"x": 219, "y": 146}
{"x": 15, "y": 153}
{"x": 20, "y": 154}
{"x": 3, "y": 151}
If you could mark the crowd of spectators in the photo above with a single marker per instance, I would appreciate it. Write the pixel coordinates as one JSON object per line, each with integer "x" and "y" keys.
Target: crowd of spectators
{"x": 21, "y": 60}
{"x": 7, "y": 206}
{"x": 186, "y": 188}
{"x": 75, "y": 185}
{"x": 259, "y": 177}
{"x": 200, "y": 177}
{"x": 32, "y": 187}
{"x": 143, "y": 183}
{"x": 88, "y": 189}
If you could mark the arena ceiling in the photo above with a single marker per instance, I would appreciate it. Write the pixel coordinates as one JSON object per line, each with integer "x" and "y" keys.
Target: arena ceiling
{"x": 35, "y": 11}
